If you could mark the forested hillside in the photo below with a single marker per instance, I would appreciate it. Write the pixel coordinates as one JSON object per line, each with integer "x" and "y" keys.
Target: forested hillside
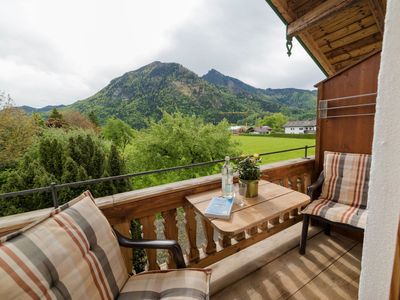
{"x": 159, "y": 87}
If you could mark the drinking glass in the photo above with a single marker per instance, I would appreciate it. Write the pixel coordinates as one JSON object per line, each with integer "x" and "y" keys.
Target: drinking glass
{"x": 240, "y": 193}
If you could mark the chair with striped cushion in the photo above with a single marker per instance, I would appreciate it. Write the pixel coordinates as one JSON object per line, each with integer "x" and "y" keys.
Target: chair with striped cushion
{"x": 73, "y": 253}
{"x": 343, "y": 199}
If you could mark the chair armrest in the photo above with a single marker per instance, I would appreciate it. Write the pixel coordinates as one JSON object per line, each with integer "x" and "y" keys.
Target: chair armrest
{"x": 314, "y": 190}
{"x": 170, "y": 245}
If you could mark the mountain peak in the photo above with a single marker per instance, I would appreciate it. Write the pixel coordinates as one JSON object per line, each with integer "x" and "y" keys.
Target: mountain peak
{"x": 232, "y": 84}
{"x": 213, "y": 71}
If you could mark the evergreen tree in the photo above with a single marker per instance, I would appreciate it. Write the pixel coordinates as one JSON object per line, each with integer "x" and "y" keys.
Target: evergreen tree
{"x": 93, "y": 118}
{"x": 55, "y": 114}
{"x": 38, "y": 120}
{"x": 70, "y": 174}
{"x": 51, "y": 157}
{"x": 115, "y": 167}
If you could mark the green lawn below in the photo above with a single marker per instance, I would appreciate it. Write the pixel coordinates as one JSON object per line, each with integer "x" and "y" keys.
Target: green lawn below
{"x": 261, "y": 144}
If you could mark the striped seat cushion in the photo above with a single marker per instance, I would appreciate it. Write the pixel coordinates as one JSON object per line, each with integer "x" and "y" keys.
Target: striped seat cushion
{"x": 70, "y": 254}
{"x": 169, "y": 284}
{"x": 337, "y": 212}
{"x": 346, "y": 178}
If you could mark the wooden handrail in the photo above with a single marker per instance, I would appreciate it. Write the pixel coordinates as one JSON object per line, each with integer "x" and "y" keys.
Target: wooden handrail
{"x": 167, "y": 201}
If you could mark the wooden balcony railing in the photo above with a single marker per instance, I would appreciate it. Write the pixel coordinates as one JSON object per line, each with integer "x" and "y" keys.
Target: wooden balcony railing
{"x": 164, "y": 213}
{"x": 166, "y": 204}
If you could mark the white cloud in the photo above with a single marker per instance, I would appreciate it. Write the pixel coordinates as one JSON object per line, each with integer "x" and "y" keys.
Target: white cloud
{"x": 54, "y": 52}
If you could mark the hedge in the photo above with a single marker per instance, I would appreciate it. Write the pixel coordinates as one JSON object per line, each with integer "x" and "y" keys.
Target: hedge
{"x": 283, "y": 135}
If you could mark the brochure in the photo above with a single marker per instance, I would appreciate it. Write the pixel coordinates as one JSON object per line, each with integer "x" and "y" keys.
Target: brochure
{"x": 219, "y": 207}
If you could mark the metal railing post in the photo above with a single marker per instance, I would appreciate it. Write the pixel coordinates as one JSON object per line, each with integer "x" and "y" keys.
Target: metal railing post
{"x": 54, "y": 194}
{"x": 305, "y": 151}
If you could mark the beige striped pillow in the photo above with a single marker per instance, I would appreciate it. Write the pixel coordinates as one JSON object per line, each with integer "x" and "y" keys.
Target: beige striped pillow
{"x": 72, "y": 253}
{"x": 346, "y": 178}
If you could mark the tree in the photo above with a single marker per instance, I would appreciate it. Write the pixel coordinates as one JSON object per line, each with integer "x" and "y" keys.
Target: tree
{"x": 55, "y": 119}
{"x": 116, "y": 167}
{"x": 177, "y": 140}
{"x": 275, "y": 121}
{"x": 93, "y": 118}
{"x": 74, "y": 119}
{"x": 55, "y": 114}
{"x": 51, "y": 156}
{"x": 17, "y": 132}
{"x": 119, "y": 132}
{"x": 62, "y": 156}
{"x": 5, "y": 100}
{"x": 38, "y": 120}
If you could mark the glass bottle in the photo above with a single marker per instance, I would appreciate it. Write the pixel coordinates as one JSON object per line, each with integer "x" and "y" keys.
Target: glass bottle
{"x": 227, "y": 178}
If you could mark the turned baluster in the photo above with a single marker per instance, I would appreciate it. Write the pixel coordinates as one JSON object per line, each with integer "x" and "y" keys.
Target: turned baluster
{"x": 285, "y": 181}
{"x": 170, "y": 231}
{"x": 285, "y": 216}
{"x": 191, "y": 229}
{"x": 293, "y": 181}
{"x": 150, "y": 233}
{"x": 274, "y": 221}
{"x": 209, "y": 247}
{"x": 264, "y": 226}
{"x": 252, "y": 231}
{"x": 240, "y": 236}
{"x": 224, "y": 240}
{"x": 294, "y": 212}
{"x": 127, "y": 253}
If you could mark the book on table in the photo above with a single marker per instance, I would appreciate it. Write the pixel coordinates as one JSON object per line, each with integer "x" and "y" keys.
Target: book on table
{"x": 219, "y": 207}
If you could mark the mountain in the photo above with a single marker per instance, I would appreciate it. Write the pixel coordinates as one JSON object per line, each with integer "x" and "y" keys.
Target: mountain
{"x": 31, "y": 110}
{"x": 291, "y": 97}
{"x": 148, "y": 91}
{"x": 232, "y": 84}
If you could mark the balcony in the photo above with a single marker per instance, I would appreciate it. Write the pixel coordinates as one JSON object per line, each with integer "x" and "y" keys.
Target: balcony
{"x": 263, "y": 264}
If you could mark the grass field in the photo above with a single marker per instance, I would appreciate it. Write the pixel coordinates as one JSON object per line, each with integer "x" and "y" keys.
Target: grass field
{"x": 260, "y": 144}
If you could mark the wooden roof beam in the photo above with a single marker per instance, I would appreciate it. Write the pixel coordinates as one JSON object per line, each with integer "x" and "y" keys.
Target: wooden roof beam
{"x": 378, "y": 13}
{"x": 313, "y": 17}
{"x": 284, "y": 10}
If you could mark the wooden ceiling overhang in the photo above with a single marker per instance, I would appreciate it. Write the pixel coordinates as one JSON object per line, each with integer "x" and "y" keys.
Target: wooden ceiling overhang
{"x": 336, "y": 33}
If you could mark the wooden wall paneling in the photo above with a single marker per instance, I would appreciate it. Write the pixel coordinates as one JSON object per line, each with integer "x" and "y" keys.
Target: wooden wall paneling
{"x": 348, "y": 134}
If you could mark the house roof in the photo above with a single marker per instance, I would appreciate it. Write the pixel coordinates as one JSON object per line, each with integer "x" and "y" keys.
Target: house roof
{"x": 336, "y": 33}
{"x": 301, "y": 123}
{"x": 262, "y": 128}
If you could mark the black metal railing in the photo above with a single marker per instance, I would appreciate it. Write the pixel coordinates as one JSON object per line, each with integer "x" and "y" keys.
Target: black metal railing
{"x": 53, "y": 187}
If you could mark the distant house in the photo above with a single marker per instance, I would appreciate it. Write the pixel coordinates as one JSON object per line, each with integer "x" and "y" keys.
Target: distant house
{"x": 299, "y": 127}
{"x": 237, "y": 129}
{"x": 263, "y": 129}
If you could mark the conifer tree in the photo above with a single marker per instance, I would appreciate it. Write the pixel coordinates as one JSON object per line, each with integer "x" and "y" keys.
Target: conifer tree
{"x": 55, "y": 114}
{"x": 93, "y": 118}
{"x": 115, "y": 167}
{"x": 51, "y": 156}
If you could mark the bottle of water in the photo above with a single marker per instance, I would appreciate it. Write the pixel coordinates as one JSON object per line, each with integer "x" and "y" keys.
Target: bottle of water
{"x": 227, "y": 178}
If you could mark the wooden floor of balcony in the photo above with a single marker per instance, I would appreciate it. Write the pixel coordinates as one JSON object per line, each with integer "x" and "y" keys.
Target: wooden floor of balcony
{"x": 329, "y": 270}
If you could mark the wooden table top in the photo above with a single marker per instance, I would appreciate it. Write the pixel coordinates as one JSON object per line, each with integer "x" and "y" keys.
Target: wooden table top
{"x": 272, "y": 201}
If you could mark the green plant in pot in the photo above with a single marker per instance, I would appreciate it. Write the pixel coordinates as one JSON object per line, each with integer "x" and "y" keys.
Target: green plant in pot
{"x": 249, "y": 173}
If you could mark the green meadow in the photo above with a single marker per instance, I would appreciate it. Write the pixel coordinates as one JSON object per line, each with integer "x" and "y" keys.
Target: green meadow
{"x": 261, "y": 144}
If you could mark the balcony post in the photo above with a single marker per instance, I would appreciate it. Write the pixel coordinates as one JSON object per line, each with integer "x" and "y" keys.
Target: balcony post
{"x": 54, "y": 194}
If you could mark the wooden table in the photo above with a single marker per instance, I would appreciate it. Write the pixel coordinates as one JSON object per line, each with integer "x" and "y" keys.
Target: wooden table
{"x": 274, "y": 209}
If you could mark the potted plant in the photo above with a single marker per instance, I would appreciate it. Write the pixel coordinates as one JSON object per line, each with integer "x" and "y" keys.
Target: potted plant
{"x": 249, "y": 173}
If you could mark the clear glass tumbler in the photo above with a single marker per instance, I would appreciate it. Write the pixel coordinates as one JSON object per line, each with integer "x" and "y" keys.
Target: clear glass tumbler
{"x": 240, "y": 193}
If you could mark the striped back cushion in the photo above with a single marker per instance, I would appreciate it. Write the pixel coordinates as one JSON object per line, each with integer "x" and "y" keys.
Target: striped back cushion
{"x": 346, "y": 178}
{"x": 72, "y": 253}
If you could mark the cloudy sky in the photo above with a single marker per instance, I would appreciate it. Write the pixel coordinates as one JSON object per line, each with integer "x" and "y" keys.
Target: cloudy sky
{"x": 57, "y": 52}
